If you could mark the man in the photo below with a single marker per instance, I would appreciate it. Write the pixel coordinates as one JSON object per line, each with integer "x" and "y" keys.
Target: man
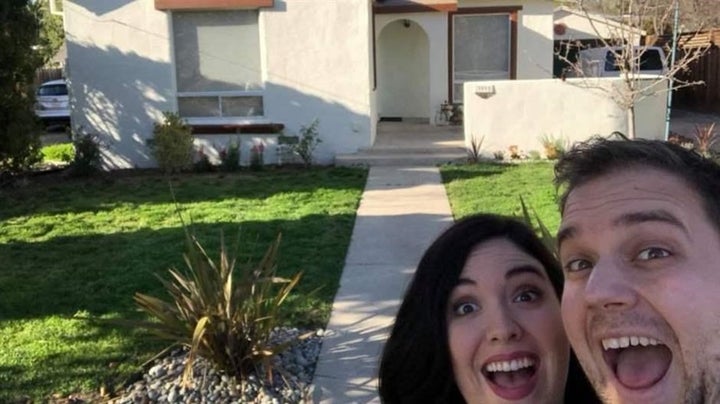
{"x": 639, "y": 244}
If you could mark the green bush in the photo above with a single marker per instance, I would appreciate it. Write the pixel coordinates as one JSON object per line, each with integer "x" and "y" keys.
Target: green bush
{"x": 64, "y": 152}
{"x": 308, "y": 142}
{"x": 87, "y": 159}
{"x": 172, "y": 144}
{"x": 224, "y": 318}
{"x": 230, "y": 156}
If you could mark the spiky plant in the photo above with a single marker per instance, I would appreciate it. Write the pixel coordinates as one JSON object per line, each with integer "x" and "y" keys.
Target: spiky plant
{"x": 224, "y": 317}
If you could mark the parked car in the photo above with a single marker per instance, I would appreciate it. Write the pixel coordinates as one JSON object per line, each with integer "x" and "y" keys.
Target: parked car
{"x": 52, "y": 104}
{"x": 600, "y": 62}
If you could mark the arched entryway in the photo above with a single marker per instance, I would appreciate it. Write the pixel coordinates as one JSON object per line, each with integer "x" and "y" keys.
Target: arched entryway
{"x": 403, "y": 79}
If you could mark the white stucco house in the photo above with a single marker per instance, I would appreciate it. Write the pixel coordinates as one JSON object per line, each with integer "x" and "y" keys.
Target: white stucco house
{"x": 246, "y": 68}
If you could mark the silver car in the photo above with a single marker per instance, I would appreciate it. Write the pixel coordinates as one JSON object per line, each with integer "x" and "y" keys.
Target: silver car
{"x": 52, "y": 103}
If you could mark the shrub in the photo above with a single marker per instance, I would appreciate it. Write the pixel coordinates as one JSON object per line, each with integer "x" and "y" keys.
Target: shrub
{"x": 498, "y": 155}
{"x": 222, "y": 317}
{"x": 475, "y": 149}
{"x": 87, "y": 154}
{"x": 202, "y": 162}
{"x": 705, "y": 139}
{"x": 172, "y": 143}
{"x": 230, "y": 156}
{"x": 554, "y": 147}
{"x": 308, "y": 142}
{"x": 257, "y": 156}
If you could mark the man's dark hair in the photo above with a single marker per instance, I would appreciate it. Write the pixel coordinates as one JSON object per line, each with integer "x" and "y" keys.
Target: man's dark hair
{"x": 598, "y": 157}
{"x": 416, "y": 365}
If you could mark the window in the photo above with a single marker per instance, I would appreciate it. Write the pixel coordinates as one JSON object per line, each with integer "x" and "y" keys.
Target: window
{"x": 483, "y": 46}
{"x": 217, "y": 64}
{"x": 650, "y": 59}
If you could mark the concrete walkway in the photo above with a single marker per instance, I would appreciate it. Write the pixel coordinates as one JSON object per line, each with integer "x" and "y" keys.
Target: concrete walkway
{"x": 401, "y": 212}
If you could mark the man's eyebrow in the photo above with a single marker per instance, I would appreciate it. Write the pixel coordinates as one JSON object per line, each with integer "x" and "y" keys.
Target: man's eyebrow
{"x": 659, "y": 215}
{"x": 628, "y": 219}
{"x": 565, "y": 234}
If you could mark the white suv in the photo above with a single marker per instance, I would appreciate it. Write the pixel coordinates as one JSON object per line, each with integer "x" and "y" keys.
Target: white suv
{"x": 52, "y": 103}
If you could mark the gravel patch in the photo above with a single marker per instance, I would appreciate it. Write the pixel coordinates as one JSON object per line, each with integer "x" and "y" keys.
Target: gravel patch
{"x": 290, "y": 381}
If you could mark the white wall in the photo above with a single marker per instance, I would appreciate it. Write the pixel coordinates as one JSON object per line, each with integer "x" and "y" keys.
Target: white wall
{"x": 520, "y": 112}
{"x": 120, "y": 74}
{"x": 318, "y": 65}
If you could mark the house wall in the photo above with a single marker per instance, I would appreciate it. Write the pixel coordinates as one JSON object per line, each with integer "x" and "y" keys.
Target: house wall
{"x": 317, "y": 66}
{"x": 120, "y": 74}
{"x": 592, "y": 26}
{"x": 535, "y": 46}
{"x": 314, "y": 57}
{"x": 520, "y": 112}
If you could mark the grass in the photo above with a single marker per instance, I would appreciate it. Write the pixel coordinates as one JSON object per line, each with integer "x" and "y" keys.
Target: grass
{"x": 60, "y": 152}
{"x": 81, "y": 248}
{"x": 497, "y": 188}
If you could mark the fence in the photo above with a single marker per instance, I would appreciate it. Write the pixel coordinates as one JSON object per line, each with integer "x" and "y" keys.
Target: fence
{"x": 703, "y": 96}
{"x": 47, "y": 74}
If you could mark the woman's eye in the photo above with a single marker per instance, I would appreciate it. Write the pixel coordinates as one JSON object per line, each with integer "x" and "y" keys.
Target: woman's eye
{"x": 653, "y": 253}
{"x": 462, "y": 309}
{"x": 577, "y": 265}
{"x": 527, "y": 296}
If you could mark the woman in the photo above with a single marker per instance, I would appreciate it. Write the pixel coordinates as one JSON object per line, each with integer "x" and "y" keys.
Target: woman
{"x": 480, "y": 323}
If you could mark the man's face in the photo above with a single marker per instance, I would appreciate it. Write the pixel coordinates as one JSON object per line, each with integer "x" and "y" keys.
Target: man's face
{"x": 641, "y": 304}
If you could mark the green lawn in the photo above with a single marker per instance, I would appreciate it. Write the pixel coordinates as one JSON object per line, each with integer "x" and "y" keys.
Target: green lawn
{"x": 78, "y": 248}
{"x": 496, "y": 188}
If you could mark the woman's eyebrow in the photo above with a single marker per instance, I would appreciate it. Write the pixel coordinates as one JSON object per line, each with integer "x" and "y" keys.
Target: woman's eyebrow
{"x": 523, "y": 269}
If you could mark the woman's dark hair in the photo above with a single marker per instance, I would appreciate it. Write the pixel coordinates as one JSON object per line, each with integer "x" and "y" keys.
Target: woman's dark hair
{"x": 416, "y": 364}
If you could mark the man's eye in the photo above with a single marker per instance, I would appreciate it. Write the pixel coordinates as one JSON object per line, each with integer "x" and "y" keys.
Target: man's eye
{"x": 653, "y": 253}
{"x": 462, "y": 309}
{"x": 577, "y": 265}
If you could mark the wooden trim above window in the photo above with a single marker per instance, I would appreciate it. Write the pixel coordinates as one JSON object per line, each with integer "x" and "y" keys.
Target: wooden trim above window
{"x": 412, "y": 6}
{"x": 166, "y": 5}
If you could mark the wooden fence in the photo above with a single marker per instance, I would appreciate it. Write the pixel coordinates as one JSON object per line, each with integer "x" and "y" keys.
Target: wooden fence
{"x": 47, "y": 74}
{"x": 706, "y": 96}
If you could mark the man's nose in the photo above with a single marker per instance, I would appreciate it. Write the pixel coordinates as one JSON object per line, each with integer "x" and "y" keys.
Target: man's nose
{"x": 609, "y": 286}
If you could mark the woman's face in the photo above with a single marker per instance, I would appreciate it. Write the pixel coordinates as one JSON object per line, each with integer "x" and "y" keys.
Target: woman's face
{"x": 505, "y": 332}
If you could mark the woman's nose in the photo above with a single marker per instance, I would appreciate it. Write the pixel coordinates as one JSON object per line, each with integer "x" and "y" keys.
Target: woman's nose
{"x": 502, "y": 326}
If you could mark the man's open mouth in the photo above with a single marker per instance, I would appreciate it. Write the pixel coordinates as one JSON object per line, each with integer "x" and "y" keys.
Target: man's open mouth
{"x": 513, "y": 379}
{"x": 637, "y": 362}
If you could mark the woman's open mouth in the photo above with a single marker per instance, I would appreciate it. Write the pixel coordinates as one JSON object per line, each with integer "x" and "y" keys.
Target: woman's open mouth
{"x": 512, "y": 379}
{"x": 637, "y": 362}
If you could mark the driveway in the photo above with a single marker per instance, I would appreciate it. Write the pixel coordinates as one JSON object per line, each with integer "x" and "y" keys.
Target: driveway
{"x": 684, "y": 122}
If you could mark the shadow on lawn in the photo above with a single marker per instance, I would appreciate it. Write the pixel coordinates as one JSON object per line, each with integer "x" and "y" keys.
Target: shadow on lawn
{"x": 103, "y": 193}
{"x": 100, "y": 273}
{"x": 470, "y": 171}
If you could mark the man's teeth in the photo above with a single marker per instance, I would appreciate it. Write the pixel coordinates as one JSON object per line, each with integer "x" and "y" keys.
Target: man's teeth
{"x": 624, "y": 342}
{"x": 509, "y": 366}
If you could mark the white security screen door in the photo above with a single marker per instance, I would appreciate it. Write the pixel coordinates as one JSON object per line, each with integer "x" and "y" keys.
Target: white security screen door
{"x": 481, "y": 49}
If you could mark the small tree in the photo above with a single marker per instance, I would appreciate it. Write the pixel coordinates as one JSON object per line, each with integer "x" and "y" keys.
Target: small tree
{"x": 19, "y": 142}
{"x": 308, "y": 142}
{"x": 656, "y": 17}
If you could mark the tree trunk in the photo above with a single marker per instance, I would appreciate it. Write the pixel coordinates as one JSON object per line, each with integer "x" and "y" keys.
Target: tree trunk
{"x": 631, "y": 122}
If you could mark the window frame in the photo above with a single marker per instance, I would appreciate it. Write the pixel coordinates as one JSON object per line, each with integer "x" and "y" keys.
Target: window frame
{"x": 221, "y": 120}
{"x": 511, "y": 12}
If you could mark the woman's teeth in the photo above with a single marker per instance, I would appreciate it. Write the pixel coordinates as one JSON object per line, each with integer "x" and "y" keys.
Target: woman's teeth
{"x": 509, "y": 366}
{"x": 624, "y": 342}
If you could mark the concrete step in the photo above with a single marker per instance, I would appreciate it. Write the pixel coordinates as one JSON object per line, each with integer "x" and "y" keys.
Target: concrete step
{"x": 399, "y": 159}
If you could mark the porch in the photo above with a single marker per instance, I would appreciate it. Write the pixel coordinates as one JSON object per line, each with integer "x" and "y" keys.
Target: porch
{"x": 410, "y": 143}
